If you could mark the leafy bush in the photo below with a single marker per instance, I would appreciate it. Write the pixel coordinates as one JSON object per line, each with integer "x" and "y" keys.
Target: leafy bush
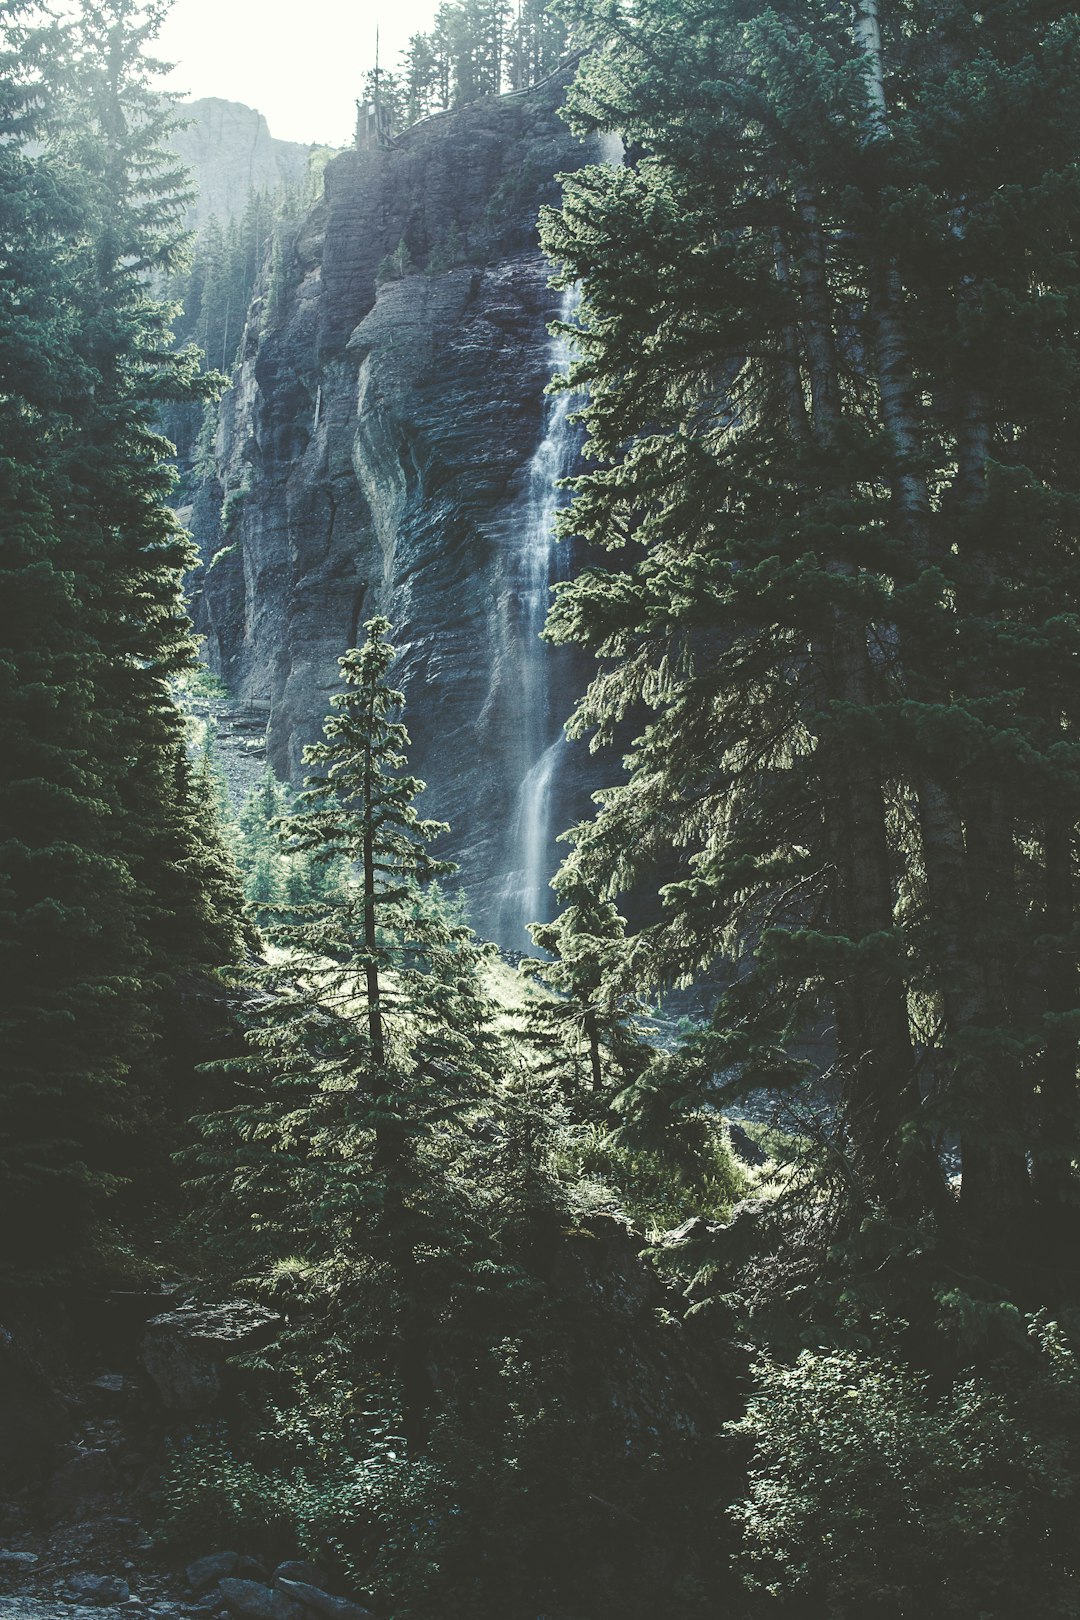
{"x": 873, "y": 1494}
{"x": 325, "y": 1476}
{"x": 209, "y": 1495}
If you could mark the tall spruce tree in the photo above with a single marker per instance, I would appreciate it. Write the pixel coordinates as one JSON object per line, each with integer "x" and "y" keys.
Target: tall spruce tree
{"x": 66, "y": 929}
{"x": 816, "y": 301}
{"x": 372, "y": 1036}
{"x": 110, "y": 883}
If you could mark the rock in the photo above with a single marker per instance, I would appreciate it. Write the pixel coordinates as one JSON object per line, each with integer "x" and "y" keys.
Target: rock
{"x": 206, "y": 1572}
{"x": 15, "y": 1563}
{"x": 232, "y": 153}
{"x": 108, "y": 1384}
{"x": 256, "y": 1602}
{"x": 89, "y": 1476}
{"x": 183, "y": 1349}
{"x": 691, "y": 1231}
{"x": 297, "y": 1570}
{"x": 321, "y": 1603}
{"x": 23, "y": 1607}
{"x": 379, "y": 443}
{"x": 252, "y": 1569}
{"x": 98, "y": 1590}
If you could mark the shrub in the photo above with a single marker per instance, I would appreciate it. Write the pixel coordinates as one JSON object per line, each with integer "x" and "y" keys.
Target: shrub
{"x": 871, "y": 1494}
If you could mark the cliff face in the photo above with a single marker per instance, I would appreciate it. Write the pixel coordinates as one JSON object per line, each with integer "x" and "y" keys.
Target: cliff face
{"x": 389, "y": 448}
{"x": 231, "y": 152}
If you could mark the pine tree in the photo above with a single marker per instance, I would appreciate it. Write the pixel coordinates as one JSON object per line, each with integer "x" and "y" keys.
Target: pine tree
{"x": 102, "y": 827}
{"x": 475, "y": 49}
{"x": 66, "y": 931}
{"x": 584, "y": 945}
{"x": 372, "y": 1037}
{"x": 813, "y": 308}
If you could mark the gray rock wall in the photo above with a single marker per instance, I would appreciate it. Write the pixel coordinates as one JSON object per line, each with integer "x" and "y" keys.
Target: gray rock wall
{"x": 374, "y": 455}
{"x": 230, "y": 151}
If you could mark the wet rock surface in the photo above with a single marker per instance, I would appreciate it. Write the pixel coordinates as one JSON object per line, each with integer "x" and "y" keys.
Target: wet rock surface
{"x": 252, "y": 1601}
{"x": 374, "y": 455}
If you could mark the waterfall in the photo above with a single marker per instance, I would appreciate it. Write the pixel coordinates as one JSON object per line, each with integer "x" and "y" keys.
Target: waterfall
{"x": 526, "y": 895}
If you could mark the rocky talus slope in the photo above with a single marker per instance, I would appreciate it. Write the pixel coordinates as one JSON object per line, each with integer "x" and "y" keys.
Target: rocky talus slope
{"x": 380, "y": 451}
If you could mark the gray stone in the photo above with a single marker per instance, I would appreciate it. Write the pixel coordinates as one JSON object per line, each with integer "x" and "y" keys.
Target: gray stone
{"x": 109, "y": 1384}
{"x": 14, "y": 1563}
{"x": 297, "y": 1570}
{"x": 25, "y": 1607}
{"x": 183, "y": 1350}
{"x": 257, "y": 1602}
{"x": 99, "y": 1590}
{"x": 206, "y": 1572}
{"x": 322, "y": 1603}
{"x": 691, "y": 1231}
{"x": 86, "y": 1477}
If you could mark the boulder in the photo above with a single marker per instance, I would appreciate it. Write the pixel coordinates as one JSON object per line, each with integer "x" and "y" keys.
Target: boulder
{"x": 253, "y": 1601}
{"x": 297, "y": 1570}
{"x": 183, "y": 1349}
{"x": 17, "y": 1563}
{"x": 321, "y": 1603}
{"x": 88, "y": 1476}
{"x": 98, "y": 1590}
{"x": 206, "y": 1572}
{"x": 252, "y": 1569}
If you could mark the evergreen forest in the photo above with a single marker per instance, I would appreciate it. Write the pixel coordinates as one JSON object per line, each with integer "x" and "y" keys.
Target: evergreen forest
{"x": 720, "y": 1256}
{"x": 475, "y": 48}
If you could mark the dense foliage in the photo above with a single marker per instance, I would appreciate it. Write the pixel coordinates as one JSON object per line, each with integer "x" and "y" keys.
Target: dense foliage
{"x": 409, "y": 1150}
{"x": 113, "y": 884}
{"x": 828, "y": 335}
{"x": 547, "y": 1346}
{"x": 872, "y": 1493}
{"x": 476, "y": 48}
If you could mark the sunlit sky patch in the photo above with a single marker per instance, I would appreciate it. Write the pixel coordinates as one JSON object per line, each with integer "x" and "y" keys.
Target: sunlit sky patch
{"x": 300, "y": 62}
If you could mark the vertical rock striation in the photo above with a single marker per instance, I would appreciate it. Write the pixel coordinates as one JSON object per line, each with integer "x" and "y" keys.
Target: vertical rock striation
{"x": 379, "y": 451}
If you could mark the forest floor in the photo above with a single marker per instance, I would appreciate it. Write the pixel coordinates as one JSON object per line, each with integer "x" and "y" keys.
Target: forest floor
{"x": 75, "y": 1544}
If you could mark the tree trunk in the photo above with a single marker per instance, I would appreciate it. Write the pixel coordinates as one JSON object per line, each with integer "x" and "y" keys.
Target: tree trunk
{"x": 876, "y": 1061}
{"x": 592, "y": 1035}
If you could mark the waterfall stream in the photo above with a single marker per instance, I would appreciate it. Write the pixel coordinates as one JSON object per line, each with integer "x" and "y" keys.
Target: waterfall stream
{"x": 526, "y": 896}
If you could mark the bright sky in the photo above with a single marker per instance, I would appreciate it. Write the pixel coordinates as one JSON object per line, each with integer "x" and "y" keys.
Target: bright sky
{"x": 300, "y": 62}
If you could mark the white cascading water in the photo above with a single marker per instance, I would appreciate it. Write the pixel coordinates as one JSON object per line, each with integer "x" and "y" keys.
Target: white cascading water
{"x": 526, "y": 896}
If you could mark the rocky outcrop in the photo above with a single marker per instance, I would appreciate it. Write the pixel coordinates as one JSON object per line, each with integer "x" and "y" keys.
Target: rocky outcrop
{"x": 230, "y": 151}
{"x": 376, "y": 454}
{"x": 183, "y": 1350}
